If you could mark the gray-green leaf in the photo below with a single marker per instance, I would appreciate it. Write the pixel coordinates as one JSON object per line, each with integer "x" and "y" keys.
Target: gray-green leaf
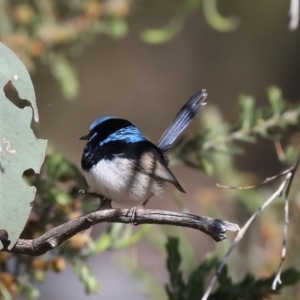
{"x": 20, "y": 150}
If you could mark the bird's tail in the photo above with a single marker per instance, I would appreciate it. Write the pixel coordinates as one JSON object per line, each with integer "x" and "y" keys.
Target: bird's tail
{"x": 182, "y": 120}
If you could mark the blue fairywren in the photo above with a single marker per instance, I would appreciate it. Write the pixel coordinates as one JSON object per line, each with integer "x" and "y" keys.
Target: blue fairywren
{"x": 123, "y": 166}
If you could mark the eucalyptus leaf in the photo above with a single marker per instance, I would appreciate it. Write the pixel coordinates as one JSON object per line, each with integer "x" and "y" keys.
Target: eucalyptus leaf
{"x": 20, "y": 150}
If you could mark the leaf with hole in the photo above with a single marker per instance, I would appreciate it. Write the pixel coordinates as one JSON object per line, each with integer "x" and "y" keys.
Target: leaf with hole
{"x": 20, "y": 150}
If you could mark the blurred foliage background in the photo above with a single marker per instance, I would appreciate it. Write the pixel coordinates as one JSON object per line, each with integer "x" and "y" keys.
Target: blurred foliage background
{"x": 141, "y": 60}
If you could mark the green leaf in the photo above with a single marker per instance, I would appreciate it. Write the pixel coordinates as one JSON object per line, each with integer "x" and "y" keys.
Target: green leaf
{"x": 28, "y": 291}
{"x": 276, "y": 100}
{"x": 176, "y": 287}
{"x": 261, "y": 288}
{"x": 39, "y": 275}
{"x": 59, "y": 168}
{"x": 65, "y": 74}
{"x": 162, "y": 35}
{"x": 195, "y": 285}
{"x": 215, "y": 20}
{"x": 102, "y": 243}
{"x": 290, "y": 277}
{"x": 224, "y": 279}
{"x": 165, "y": 34}
{"x": 20, "y": 150}
{"x": 85, "y": 276}
{"x": 6, "y": 295}
{"x": 246, "y": 138}
{"x": 116, "y": 28}
{"x": 60, "y": 197}
{"x": 206, "y": 166}
{"x": 231, "y": 149}
{"x": 290, "y": 154}
{"x": 133, "y": 238}
{"x": 151, "y": 288}
{"x": 247, "y": 111}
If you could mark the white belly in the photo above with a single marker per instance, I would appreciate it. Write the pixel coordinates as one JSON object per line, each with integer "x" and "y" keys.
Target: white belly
{"x": 115, "y": 180}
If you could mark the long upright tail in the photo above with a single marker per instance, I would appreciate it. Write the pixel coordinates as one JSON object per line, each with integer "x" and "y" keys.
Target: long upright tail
{"x": 182, "y": 120}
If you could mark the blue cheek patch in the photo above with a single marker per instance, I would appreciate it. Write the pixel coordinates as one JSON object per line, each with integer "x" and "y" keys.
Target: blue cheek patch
{"x": 129, "y": 135}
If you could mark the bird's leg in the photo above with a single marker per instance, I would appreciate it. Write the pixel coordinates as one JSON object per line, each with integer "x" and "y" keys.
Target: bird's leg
{"x": 104, "y": 202}
{"x": 84, "y": 192}
{"x": 133, "y": 211}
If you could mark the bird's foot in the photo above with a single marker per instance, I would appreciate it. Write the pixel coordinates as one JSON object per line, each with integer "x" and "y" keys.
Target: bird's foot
{"x": 133, "y": 212}
{"x": 5, "y": 241}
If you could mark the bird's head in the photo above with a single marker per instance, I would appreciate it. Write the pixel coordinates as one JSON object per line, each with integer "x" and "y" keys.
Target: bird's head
{"x": 110, "y": 129}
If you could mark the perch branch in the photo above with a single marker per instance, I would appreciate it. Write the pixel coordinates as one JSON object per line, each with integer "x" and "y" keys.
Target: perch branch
{"x": 54, "y": 237}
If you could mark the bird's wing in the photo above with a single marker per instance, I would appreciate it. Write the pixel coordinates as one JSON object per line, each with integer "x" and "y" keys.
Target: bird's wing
{"x": 154, "y": 165}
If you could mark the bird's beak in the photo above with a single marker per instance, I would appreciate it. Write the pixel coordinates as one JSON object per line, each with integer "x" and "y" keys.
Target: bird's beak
{"x": 85, "y": 137}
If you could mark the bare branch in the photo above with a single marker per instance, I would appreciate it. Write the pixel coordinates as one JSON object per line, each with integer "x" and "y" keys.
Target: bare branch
{"x": 250, "y": 187}
{"x": 243, "y": 230}
{"x": 56, "y": 236}
{"x": 279, "y": 150}
{"x": 283, "y": 251}
{"x": 294, "y": 14}
{"x": 286, "y": 223}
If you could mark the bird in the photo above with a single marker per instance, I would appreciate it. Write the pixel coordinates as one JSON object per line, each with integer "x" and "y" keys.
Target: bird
{"x": 122, "y": 165}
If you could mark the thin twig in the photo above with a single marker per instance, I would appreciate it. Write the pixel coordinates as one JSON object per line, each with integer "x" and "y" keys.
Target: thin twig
{"x": 279, "y": 151}
{"x": 241, "y": 233}
{"x": 283, "y": 251}
{"x": 250, "y": 187}
{"x": 286, "y": 223}
{"x": 294, "y": 14}
{"x": 54, "y": 237}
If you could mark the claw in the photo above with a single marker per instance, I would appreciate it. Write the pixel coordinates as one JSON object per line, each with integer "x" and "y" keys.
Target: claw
{"x": 133, "y": 212}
